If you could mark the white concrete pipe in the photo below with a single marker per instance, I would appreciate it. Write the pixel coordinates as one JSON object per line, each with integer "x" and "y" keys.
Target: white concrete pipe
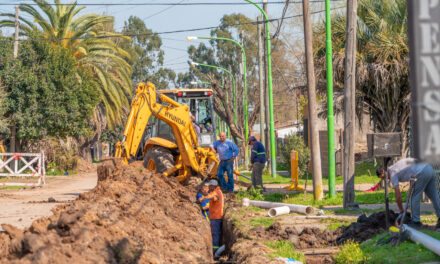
{"x": 278, "y": 211}
{"x": 428, "y": 241}
{"x": 302, "y": 209}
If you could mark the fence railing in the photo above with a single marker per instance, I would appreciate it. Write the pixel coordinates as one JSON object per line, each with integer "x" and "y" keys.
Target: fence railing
{"x": 23, "y": 165}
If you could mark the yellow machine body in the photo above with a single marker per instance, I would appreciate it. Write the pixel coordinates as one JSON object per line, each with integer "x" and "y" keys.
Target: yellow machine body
{"x": 191, "y": 160}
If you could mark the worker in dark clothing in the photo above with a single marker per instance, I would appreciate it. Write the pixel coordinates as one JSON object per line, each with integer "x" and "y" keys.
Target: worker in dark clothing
{"x": 258, "y": 160}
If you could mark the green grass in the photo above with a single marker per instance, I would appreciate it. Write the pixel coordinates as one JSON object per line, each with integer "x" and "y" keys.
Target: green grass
{"x": 364, "y": 173}
{"x": 407, "y": 252}
{"x": 12, "y": 187}
{"x": 298, "y": 198}
{"x": 262, "y": 221}
{"x": 350, "y": 253}
{"x": 333, "y": 224}
{"x": 342, "y": 211}
{"x": 57, "y": 172}
{"x": 284, "y": 249}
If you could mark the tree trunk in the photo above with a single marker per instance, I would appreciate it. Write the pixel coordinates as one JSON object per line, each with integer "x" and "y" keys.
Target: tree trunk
{"x": 349, "y": 101}
{"x": 313, "y": 119}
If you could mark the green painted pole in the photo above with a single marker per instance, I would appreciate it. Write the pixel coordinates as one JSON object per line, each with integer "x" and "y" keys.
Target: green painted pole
{"x": 269, "y": 85}
{"x": 330, "y": 119}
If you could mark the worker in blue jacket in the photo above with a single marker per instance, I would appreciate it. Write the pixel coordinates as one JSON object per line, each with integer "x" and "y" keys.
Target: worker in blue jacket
{"x": 258, "y": 161}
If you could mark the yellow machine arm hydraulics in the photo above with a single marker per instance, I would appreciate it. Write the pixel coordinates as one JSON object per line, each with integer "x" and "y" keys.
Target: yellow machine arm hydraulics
{"x": 144, "y": 105}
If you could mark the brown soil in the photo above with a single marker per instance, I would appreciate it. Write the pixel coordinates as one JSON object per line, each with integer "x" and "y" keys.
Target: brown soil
{"x": 365, "y": 227}
{"x": 318, "y": 245}
{"x": 131, "y": 216}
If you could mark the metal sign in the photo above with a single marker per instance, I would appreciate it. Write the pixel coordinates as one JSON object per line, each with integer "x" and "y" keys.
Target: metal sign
{"x": 424, "y": 42}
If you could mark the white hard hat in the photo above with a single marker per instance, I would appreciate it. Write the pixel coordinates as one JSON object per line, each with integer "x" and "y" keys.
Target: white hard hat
{"x": 213, "y": 183}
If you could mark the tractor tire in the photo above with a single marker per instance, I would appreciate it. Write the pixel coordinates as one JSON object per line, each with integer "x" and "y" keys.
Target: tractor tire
{"x": 158, "y": 159}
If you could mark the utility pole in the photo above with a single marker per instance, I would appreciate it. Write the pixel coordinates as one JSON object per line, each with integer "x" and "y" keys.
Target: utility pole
{"x": 349, "y": 102}
{"x": 266, "y": 98}
{"x": 310, "y": 69}
{"x": 17, "y": 25}
{"x": 13, "y": 127}
{"x": 330, "y": 119}
{"x": 261, "y": 79}
{"x": 243, "y": 73}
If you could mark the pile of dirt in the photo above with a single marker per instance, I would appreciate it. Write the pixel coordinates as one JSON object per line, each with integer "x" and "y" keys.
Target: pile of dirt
{"x": 85, "y": 165}
{"x": 131, "y": 216}
{"x": 365, "y": 227}
{"x": 307, "y": 238}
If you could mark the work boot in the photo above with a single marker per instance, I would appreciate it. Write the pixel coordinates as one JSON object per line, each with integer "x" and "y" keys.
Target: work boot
{"x": 414, "y": 224}
{"x": 438, "y": 223}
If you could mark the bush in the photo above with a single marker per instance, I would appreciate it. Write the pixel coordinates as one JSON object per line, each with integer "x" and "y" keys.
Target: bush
{"x": 295, "y": 142}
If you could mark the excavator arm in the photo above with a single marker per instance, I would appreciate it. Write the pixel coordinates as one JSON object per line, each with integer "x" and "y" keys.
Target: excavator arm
{"x": 145, "y": 105}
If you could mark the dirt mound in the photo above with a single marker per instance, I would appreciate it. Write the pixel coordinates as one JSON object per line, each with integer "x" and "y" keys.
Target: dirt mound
{"x": 307, "y": 238}
{"x": 85, "y": 165}
{"x": 365, "y": 227}
{"x": 132, "y": 216}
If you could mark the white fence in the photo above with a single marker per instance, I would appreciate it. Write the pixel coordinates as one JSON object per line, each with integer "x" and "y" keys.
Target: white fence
{"x": 22, "y": 165}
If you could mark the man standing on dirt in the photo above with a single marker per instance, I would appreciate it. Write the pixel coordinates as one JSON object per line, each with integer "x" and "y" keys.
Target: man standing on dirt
{"x": 227, "y": 151}
{"x": 258, "y": 159}
{"x": 215, "y": 212}
{"x": 405, "y": 170}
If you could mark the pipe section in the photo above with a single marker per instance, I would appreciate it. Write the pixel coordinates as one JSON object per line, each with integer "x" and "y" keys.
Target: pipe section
{"x": 428, "y": 241}
{"x": 276, "y": 211}
{"x": 302, "y": 209}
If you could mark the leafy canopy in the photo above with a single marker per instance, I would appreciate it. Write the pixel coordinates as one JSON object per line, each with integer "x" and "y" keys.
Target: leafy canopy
{"x": 65, "y": 28}
{"x": 44, "y": 96}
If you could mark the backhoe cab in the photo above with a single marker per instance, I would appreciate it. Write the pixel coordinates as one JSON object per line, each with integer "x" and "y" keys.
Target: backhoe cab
{"x": 159, "y": 131}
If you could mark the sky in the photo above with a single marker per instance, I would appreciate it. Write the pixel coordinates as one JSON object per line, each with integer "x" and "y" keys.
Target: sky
{"x": 169, "y": 18}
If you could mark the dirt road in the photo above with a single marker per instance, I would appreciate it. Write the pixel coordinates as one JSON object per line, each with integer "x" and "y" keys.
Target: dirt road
{"x": 21, "y": 207}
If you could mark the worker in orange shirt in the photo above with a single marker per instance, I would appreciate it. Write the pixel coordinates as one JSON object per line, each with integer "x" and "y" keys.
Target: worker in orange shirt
{"x": 216, "y": 204}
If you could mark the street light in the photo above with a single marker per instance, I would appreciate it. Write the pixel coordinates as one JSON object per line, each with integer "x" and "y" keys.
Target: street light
{"x": 193, "y": 64}
{"x": 269, "y": 85}
{"x": 199, "y": 82}
{"x": 246, "y": 122}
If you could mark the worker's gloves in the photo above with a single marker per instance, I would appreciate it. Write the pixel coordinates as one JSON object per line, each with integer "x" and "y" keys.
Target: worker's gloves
{"x": 398, "y": 219}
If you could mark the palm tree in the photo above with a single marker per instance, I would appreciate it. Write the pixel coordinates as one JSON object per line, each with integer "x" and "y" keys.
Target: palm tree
{"x": 382, "y": 86}
{"x": 62, "y": 26}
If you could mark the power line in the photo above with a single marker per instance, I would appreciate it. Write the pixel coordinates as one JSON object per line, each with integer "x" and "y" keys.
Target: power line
{"x": 164, "y": 32}
{"x": 164, "y": 4}
{"x": 168, "y": 47}
{"x": 177, "y": 63}
{"x": 163, "y": 10}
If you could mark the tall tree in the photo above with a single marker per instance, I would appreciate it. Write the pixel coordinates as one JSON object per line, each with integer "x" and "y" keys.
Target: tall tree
{"x": 382, "y": 87}
{"x": 62, "y": 25}
{"x": 44, "y": 96}
{"x": 228, "y": 55}
{"x": 146, "y": 54}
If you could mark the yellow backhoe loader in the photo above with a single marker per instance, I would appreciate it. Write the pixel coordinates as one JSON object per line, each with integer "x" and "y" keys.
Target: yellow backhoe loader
{"x": 159, "y": 131}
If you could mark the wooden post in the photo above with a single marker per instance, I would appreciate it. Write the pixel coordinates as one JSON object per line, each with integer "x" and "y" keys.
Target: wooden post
{"x": 13, "y": 127}
{"x": 315, "y": 150}
{"x": 349, "y": 102}
{"x": 266, "y": 101}
{"x": 17, "y": 25}
{"x": 261, "y": 81}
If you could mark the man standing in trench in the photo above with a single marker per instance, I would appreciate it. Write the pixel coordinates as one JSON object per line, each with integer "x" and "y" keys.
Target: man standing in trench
{"x": 227, "y": 151}
{"x": 258, "y": 159}
{"x": 216, "y": 204}
{"x": 406, "y": 170}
